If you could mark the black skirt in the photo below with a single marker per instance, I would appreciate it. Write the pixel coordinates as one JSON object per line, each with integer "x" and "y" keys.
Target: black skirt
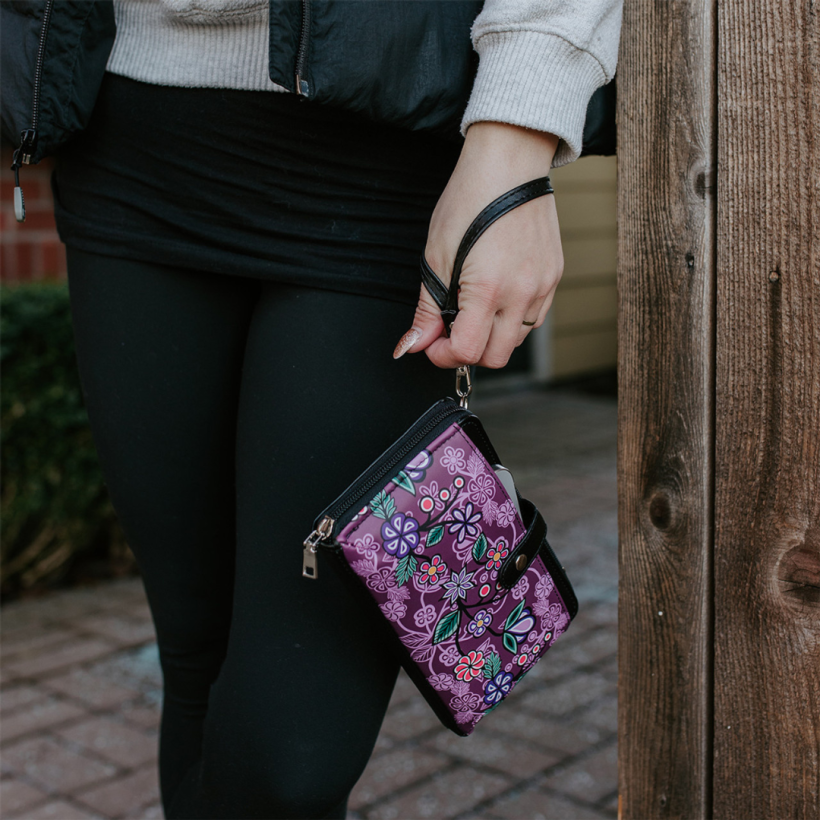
{"x": 251, "y": 183}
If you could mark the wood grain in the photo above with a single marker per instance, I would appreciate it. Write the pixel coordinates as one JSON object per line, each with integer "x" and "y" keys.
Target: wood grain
{"x": 666, "y": 127}
{"x": 767, "y": 523}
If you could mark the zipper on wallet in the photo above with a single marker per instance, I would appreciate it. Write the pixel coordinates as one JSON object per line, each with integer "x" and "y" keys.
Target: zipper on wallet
{"x": 323, "y": 531}
{"x": 310, "y": 566}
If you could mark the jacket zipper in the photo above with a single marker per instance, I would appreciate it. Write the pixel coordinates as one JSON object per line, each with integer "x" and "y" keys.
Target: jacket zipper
{"x": 322, "y": 533}
{"x": 28, "y": 138}
{"x": 302, "y": 88}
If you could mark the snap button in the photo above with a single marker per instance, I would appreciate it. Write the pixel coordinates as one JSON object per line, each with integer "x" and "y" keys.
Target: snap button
{"x": 521, "y": 562}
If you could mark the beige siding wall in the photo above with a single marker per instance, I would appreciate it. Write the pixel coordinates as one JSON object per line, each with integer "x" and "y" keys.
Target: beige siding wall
{"x": 584, "y": 313}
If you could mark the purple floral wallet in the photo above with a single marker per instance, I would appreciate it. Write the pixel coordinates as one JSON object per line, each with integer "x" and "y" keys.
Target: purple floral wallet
{"x": 430, "y": 538}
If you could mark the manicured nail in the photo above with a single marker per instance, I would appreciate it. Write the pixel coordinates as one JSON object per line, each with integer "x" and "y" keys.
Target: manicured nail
{"x": 406, "y": 342}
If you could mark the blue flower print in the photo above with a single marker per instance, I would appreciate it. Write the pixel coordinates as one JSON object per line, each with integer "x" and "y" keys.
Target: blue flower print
{"x": 480, "y": 623}
{"x": 466, "y": 523}
{"x": 419, "y": 465}
{"x": 497, "y": 688}
{"x": 457, "y": 585}
{"x": 401, "y": 534}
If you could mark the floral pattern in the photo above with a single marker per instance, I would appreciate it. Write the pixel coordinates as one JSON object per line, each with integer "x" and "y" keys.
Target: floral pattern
{"x": 429, "y": 546}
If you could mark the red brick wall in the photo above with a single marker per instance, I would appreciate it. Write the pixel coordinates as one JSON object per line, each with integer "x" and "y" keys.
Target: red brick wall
{"x": 28, "y": 250}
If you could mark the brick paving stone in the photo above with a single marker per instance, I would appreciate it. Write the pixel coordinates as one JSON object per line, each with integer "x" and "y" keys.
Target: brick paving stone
{"x": 566, "y": 696}
{"x": 152, "y": 812}
{"x": 533, "y": 804}
{"x": 58, "y": 810}
{"x": 137, "y": 667}
{"x": 52, "y": 766}
{"x": 112, "y": 740}
{"x": 388, "y": 772}
{"x": 512, "y": 757}
{"x": 569, "y": 737}
{"x": 405, "y": 690}
{"x": 13, "y": 697}
{"x": 410, "y": 720}
{"x": 124, "y": 795}
{"x": 32, "y": 640}
{"x": 37, "y": 717}
{"x": 120, "y": 631}
{"x": 603, "y": 713}
{"x": 590, "y": 779}
{"x": 445, "y": 796}
{"x": 83, "y": 685}
{"x": 16, "y": 796}
{"x": 83, "y": 649}
{"x": 141, "y": 715}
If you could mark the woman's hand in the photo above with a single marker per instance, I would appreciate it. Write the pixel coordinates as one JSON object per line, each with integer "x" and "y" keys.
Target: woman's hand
{"x": 511, "y": 273}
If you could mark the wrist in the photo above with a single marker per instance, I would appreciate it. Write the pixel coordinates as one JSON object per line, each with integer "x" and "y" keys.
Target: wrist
{"x": 517, "y": 147}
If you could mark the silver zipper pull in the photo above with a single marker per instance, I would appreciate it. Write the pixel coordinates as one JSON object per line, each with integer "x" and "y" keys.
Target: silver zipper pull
{"x": 19, "y": 201}
{"x": 310, "y": 565}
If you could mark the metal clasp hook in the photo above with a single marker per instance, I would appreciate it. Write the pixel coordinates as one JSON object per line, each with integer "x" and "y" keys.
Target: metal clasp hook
{"x": 463, "y": 372}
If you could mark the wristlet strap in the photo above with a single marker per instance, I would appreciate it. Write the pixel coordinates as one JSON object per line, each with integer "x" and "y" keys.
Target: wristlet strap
{"x": 447, "y": 298}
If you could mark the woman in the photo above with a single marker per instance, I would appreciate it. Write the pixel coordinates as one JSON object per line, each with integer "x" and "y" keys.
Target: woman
{"x": 242, "y": 258}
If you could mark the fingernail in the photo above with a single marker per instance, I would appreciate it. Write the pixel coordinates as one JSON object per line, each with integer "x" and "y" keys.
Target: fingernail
{"x": 406, "y": 342}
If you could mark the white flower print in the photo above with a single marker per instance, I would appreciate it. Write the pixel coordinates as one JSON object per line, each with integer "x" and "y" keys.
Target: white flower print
{"x": 505, "y": 514}
{"x": 520, "y": 589}
{"x": 366, "y": 544}
{"x": 425, "y": 615}
{"x": 453, "y": 460}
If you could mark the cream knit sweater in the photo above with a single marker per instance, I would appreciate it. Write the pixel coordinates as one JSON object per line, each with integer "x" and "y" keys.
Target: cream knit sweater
{"x": 539, "y": 60}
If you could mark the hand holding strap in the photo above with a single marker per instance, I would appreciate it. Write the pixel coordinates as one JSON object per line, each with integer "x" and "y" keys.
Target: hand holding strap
{"x": 447, "y": 298}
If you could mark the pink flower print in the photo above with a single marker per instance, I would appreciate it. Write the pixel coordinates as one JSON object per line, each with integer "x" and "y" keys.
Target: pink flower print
{"x": 381, "y": 580}
{"x": 505, "y": 514}
{"x": 520, "y": 589}
{"x": 425, "y": 615}
{"x": 366, "y": 544}
{"x": 449, "y": 655}
{"x": 453, "y": 460}
{"x": 470, "y": 666}
{"x": 497, "y": 554}
{"x": 465, "y": 703}
{"x": 394, "y": 610}
{"x": 442, "y": 681}
{"x": 544, "y": 587}
{"x": 482, "y": 488}
{"x": 432, "y": 571}
{"x": 549, "y": 613}
{"x": 429, "y": 500}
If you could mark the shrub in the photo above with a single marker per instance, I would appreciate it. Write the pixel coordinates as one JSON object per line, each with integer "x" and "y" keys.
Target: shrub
{"x": 55, "y": 510}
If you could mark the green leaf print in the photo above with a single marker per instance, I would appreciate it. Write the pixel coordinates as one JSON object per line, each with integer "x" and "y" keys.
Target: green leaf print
{"x": 435, "y": 535}
{"x": 403, "y": 480}
{"x": 447, "y": 626}
{"x": 510, "y": 643}
{"x": 480, "y": 547}
{"x": 405, "y": 569}
{"x": 514, "y": 615}
{"x": 492, "y": 666}
{"x": 383, "y": 506}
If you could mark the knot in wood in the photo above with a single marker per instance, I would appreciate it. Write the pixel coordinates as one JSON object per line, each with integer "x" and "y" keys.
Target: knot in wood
{"x": 660, "y": 511}
{"x": 799, "y": 575}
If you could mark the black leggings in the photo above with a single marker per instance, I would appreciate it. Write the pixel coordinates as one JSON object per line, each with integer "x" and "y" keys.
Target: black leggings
{"x": 227, "y": 411}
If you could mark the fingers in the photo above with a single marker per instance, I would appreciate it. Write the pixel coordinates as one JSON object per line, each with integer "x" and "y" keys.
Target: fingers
{"x": 468, "y": 337}
{"x": 427, "y": 326}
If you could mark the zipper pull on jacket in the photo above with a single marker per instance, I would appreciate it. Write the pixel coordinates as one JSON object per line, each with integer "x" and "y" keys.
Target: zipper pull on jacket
{"x": 28, "y": 142}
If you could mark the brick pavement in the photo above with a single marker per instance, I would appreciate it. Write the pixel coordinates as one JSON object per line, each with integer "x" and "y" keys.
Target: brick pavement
{"x": 81, "y": 684}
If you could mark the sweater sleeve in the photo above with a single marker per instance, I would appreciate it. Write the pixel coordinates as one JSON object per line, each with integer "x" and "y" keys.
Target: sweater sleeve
{"x": 540, "y": 62}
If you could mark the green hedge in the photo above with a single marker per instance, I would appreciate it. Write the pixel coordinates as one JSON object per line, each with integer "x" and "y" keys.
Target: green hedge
{"x": 57, "y": 520}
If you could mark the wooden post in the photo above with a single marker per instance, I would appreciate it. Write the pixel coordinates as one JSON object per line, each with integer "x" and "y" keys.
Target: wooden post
{"x": 719, "y": 435}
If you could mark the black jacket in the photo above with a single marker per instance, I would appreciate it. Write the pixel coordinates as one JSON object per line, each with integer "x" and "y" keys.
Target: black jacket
{"x": 407, "y": 63}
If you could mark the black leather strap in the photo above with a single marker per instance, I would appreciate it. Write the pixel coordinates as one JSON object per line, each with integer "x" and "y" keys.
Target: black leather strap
{"x": 529, "y": 546}
{"x": 447, "y": 297}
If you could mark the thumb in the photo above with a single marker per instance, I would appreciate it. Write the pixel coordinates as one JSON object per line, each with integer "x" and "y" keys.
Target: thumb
{"x": 427, "y": 326}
